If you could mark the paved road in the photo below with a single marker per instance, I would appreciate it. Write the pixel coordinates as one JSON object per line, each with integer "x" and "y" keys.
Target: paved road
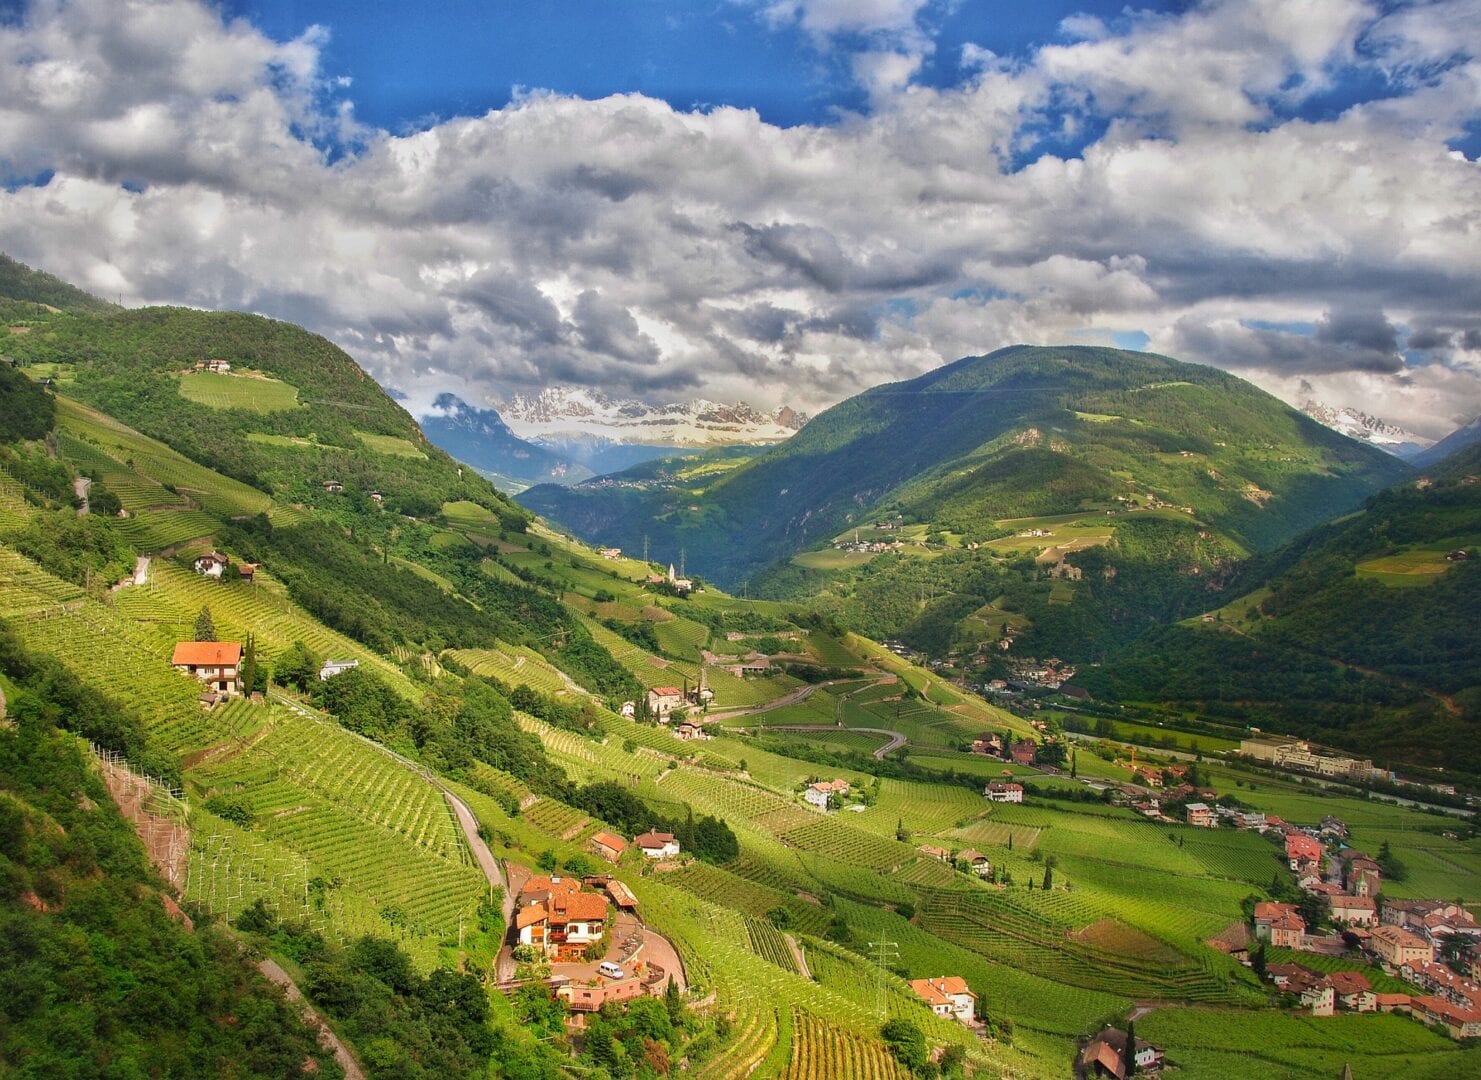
{"x": 802, "y": 693}
{"x": 79, "y": 488}
{"x": 327, "y": 1038}
{"x": 896, "y": 740}
{"x": 141, "y": 570}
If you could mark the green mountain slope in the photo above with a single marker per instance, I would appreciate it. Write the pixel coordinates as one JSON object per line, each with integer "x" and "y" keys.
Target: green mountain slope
{"x": 26, "y": 293}
{"x": 1023, "y": 431}
{"x": 1362, "y": 633}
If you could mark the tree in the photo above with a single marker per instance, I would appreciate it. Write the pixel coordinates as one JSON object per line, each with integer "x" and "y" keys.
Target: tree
{"x": 249, "y": 664}
{"x": 673, "y": 1002}
{"x": 900, "y": 833}
{"x": 1257, "y": 960}
{"x": 1048, "y": 878}
{"x": 1010, "y": 841}
{"x": 1130, "y": 1056}
{"x": 205, "y": 628}
{"x": 1074, "y": 763}
{"x": 906, "y": 1042}
{"x": 296, "y": 667}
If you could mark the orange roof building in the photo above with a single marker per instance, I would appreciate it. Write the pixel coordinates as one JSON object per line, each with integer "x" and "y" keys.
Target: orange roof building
{"x": 215, "y": 663}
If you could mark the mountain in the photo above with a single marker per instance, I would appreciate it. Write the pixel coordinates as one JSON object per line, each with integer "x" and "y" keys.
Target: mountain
{"x": 480, "y": 438}
{"x": 564, "y": 413}
{"x": 1356, "y": 424}
{"x": 26, "y": 293}
{"x": 1361, "y": 633}
{"x": 1024, "y": 431}
{"x": 1459, "y": 439}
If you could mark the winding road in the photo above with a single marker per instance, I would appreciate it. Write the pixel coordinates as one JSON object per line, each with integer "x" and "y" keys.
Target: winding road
{"x": 327, "y": 1038}
{"x": 79, "y": 488}
{"x": 896, "y": 740}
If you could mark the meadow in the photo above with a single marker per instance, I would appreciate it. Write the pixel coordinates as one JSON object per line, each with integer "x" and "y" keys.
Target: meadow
{"x": 251, "y": 392}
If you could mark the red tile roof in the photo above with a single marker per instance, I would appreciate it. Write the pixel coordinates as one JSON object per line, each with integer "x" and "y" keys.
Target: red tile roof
{"x": 611, "y": 840}
{"x": 207, "y": 654}
{"x": 654, "y": 839}
{"x": 584, "y": 907}
{"x": 1349, "y": 982}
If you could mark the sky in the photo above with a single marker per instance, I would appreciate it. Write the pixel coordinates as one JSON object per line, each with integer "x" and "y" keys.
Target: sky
{"x": 778, "y": 201}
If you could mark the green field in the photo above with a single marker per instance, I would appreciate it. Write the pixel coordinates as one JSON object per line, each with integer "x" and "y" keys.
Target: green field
{"x": 831, "y": 559}
{"x": 252, "y": 392}
{"x": 1411, "y": 569}
{"x": 389, "y": 444}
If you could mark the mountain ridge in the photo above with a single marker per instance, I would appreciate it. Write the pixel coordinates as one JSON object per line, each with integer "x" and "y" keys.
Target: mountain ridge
{"x": 938, "y": 445}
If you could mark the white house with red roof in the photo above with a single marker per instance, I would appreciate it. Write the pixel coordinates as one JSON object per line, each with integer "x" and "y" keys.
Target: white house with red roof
{"x": 948, "y": 996}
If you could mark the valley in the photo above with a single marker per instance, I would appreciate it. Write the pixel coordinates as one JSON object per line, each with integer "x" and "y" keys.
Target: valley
{"x": 449, "y": 726}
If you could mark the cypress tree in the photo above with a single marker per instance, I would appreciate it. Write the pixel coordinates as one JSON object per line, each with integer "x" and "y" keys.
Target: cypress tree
{"x": 1048, "y": 878}
{"x": 249, "y": 664}
{"x": 1130, "y": 1056}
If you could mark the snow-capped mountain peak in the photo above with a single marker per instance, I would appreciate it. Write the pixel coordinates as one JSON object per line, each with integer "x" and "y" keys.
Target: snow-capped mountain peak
{"x": 558, "y": 413}
{"x": 1356, "y": 424}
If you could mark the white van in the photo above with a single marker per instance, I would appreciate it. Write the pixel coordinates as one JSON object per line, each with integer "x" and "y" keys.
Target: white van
{"x": 611, "y": 970}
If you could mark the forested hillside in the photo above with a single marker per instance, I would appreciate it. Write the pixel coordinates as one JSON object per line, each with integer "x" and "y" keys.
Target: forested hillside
{"x": 1363, "y": 633}
{"x": 1022, "y": 432}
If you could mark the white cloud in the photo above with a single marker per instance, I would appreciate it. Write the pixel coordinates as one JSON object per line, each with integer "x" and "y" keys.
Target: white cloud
{"x": 622, "y": 243}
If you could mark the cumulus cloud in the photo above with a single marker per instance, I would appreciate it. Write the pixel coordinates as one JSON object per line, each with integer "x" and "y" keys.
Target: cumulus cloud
{"x": 651, "y": 251}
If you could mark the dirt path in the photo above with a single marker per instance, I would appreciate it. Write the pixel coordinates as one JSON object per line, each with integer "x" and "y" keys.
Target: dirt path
{"x": 327, "y": 1038}
{"x": 896, "y": 740}
{"x": 141, "y": 570}
{"x": 79, "y": 488}
{"x": 798, "y": 955}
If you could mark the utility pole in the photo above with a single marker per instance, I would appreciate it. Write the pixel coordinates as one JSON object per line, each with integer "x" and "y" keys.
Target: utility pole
{"x": 645, "y": 547}
{"x": 885, "y": 952}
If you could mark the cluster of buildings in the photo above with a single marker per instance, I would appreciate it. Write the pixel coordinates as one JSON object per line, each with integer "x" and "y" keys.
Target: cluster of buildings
{"x": 664, "y": 701}
{"x": 558, "y": 918}
{"x": 870, "y": 547}
{"x": 679, "y": 583}
{"x": 1403, "y": 937}
{"x": 220, "y": 367}
{"x": 213, "y": 564}
{"x": 1303, "y": 756}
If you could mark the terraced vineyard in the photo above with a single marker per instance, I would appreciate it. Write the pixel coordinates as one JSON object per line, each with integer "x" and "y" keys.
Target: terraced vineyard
{"x": 820, "y": 1049}
{"x": 514, "y": 665}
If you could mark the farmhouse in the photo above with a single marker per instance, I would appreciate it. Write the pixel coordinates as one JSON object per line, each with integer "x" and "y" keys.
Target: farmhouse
{"x": 564, "y": 925}
{"x": 975, "y": 861}
{"x": 657, "y": 845}
{"x": 689, "y": 732}
{"x": 1354, "y": 992}
{"x": 818, "y": 793}
{"x": 663, "y": 700}
{"x": 931, "y": 851}
{"x": 212, "y": 564}
{"x": 610, "y": 552}
{"x": 1105, "y": 1055}
{"x": 1279, "y": 924}
{"x": 988, "y": 744}
{"x": 1395, "y": 947}
{"x": 247, "y": 571}
{"x": 215, "y": 663}
{"x": 333, "y": 487}
{"x": 1354, "y": 910}
{"x": 1004, "y": 792}
{"x": 1023, "y": 752}
{"x": 1201, "y": 815}
{"x": 609, "y": 846}
{"x": 947, "y": 996}
{"x": 331, "y": 668}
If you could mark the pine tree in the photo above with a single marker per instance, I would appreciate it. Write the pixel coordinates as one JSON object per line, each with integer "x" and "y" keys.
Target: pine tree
{"x": 205, "y": 629}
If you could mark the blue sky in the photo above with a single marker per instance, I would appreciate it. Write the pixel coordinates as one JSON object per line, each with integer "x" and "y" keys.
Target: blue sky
{"x": 460, "y": 57}
{"x": 794, "y": 200}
